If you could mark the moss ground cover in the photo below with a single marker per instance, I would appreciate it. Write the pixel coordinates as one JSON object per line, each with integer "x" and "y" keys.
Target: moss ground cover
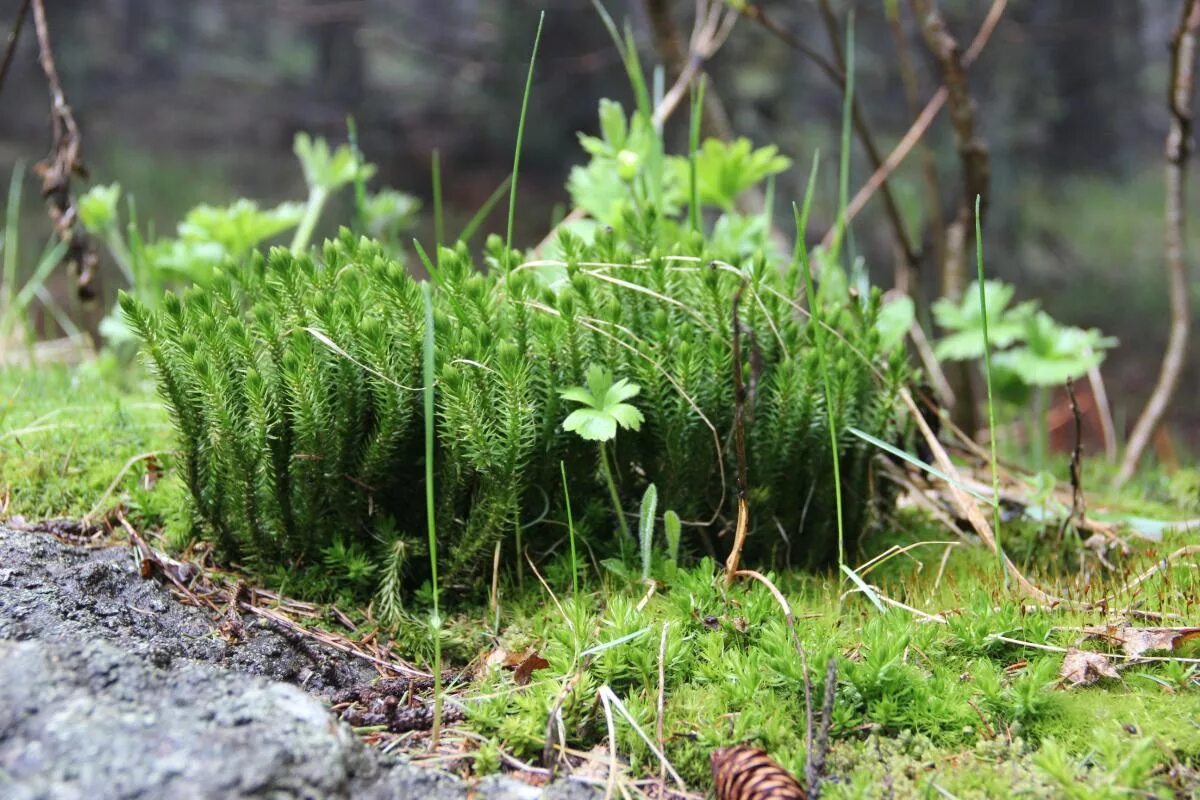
{"x": 961, "y": 697}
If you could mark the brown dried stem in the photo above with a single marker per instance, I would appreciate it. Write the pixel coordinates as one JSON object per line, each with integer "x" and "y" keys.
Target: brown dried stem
{"x": 933, "y": 191}
{"x": 739, "y": 442}
{"x": 13, "y": 37}
{"x": 64, "y": 163}
{"x": 1078, "y": 510}
{"x": 926, "y": 117}
{"x": 973, "y": 153}
{"x": 820, "y": 748}
{"x": 684, "y": 67}
{"x": 972, "y": 149}
{"x": 1178, "y": 151}
{"x": 836, "y": 71}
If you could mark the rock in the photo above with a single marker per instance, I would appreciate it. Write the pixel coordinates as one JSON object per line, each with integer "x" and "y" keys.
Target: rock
{"x": 109, "y": 688}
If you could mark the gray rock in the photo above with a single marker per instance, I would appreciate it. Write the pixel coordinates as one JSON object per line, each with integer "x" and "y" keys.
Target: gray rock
{"x": 109, "y": 688}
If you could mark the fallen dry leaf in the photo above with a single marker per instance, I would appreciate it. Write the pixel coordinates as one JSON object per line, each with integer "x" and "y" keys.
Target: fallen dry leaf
{"x": 1083, "y": 667}
{"x": 1135, "y": 641}
{"x": 526, "y": 668}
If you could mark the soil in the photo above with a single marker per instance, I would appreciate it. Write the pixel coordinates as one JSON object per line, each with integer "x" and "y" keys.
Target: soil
{"x": 110, "y": 688}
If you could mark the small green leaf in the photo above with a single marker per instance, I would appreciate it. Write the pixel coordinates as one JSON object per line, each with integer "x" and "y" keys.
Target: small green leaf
{"x": 578, "y": 394}
{"x": 626, "y": 415}
{"x": 621, "y": 391}
{"x": 673, "y": 529}
{"x": 591, "y": 424}
{"x": 329, "y": 169}
{"x": 646, "y": 527}
{"x": 603, "y": 408}
{"x": 894, "y": 321}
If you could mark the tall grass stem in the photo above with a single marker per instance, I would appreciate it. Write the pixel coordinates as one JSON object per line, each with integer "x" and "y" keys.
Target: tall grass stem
{"x": 430, "y": 516}
{"x": 512, "y": 189}
{"x": 987, "y": 374}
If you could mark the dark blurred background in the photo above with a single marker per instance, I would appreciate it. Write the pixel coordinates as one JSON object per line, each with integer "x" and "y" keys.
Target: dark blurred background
{"x": 190, "y": 101}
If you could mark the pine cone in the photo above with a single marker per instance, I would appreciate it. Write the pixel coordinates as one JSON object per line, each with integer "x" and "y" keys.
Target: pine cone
{"x": 747, "y": 773}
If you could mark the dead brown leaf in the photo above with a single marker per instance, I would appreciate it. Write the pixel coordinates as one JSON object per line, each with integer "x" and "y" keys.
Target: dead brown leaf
{"x": 1083, "y": 667}
{"x": 526, "y": 668}
{"x": 1136, "y": 641}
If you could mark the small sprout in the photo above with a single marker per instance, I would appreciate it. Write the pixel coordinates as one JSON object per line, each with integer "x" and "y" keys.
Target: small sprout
{"x": 98, "y": 208}
{"x": 628, "y": 163}
{"x": 328, "y": 169}
{"x": 673, "y": 529}
{"x": 646, "y": 527}
{"x": 604, "y": 407}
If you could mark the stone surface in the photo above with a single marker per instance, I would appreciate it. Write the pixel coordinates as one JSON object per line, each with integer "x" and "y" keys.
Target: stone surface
{"x": 109, "y": 688}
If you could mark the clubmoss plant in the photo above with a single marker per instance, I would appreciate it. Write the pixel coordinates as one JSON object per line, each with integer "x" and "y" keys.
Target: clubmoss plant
{"x": 293, "y": 380}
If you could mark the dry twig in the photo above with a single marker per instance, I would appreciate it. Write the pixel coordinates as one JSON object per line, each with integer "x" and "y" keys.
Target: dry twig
{"x": 925, "y": 118}
{"x": 1178, "y": 151}
{"x": 63, "y": 164}
{"x": 13, "y": 37}
{"x": 739, "y": 441}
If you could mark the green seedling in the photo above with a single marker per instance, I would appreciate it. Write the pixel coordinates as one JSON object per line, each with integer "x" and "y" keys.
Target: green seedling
{"x": 603, "y": 412}
{"x": 646, "y": 528}
{"x": 325, "y": 171}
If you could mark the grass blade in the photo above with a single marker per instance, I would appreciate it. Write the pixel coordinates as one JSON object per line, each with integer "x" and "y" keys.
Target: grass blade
{"x": 693, "y": 148}
{"x": 814, "y": 306}
{"x": 360, "y": 183}
{"x": 562, "y": 466}
{"x": 916, "y": 462}
{"x": 864, "y": 586}
{"x": 485, "y": 209}
{"x": 512, "y": 193}
{"x": 835, "y": 248}
{"x": 987, "y": 374}
{"x": 439, "y": 231}
{"x": 430, "y": 517}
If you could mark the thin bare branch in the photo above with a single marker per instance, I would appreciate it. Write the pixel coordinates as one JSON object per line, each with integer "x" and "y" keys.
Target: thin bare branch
{"x": 925, "y": 118}
{"x": 1178, "y": 151}
{"x": 63, "y": 164}
{"x": 835, "y": 70}
{"x": 13, "y": 37}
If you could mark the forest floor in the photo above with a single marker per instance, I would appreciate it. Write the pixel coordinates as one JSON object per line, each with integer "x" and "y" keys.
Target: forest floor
{"x": 949, "y": 683}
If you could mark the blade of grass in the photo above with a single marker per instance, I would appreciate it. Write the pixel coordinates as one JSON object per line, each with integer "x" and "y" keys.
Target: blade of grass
{"x": 835, "y": 248}
{"x": 814, "y": 307}
{"x": 918, "y": 463}
{"x": 485, "y": 209}
{"x": 439, "y": 231}
{"x": 12, "y": 242}
{"x": 421, "y": 254}
{"x": 646, "y": 527}
{"x": 620, "y": 640}
{"x": 430, "y": 517}
{"x": 512, "y": 193}
{"x": 861, "y": 584}
{"x": 801, "y": 250}
{"x": 50, "y": 259}
{"x": 562, "y": 466}
{"x": 987, "y": 372}
{"x": 693, "y": 148}
{"x": 360, "y": 184}
{"x": 768, "y": 213}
